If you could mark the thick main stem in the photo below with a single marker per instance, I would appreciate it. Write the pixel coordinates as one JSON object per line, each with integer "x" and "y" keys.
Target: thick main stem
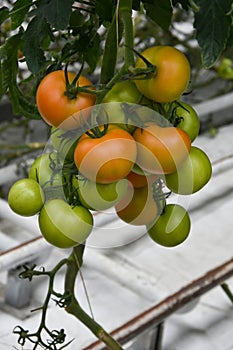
{"x": 125, "y": 14}
{"x": 74, "y": 308}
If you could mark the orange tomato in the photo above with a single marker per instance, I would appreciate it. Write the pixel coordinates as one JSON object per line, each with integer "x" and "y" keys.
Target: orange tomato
{"x": 171, "y": 77}
{"x": 56, "y": 107}
{"x": 138, "y": 206}
{"x": 107, "y": 158}
{"x": 161, "y": 150}
{"x": 140, "y": 180}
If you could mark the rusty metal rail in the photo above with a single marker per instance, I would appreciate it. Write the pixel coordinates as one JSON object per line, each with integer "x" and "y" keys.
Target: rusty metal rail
{"x": 159, "y": 312}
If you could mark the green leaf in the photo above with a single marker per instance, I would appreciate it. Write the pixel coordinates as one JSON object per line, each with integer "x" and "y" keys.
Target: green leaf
{"x": 8, "y": 79}
{"x": 56, "y": 12}
{"x": 160, "y": 11}
{"x": 21, "y": 104}
{"x": 4, "y": 14}
{"x": 92, "y": 52}
{"x": 105, "y": 9}
{"x": 8, "y": 52}
{"x": 19, "y": 12}
{"x": 212, "y": 23}
{"x": 33, "y": 37}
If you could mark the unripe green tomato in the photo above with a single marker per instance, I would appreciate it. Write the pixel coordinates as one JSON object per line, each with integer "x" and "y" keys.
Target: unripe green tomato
{"x": 189, "y": 120}
{"x": 225, "y": 68}
{"x": 123, "y": 91}
{"x": 193, "y": 174}
{"x": 96, "y": 196}
{"x": 46, "y": 171}
{"x": 26, "y": 197}
{"x": 41, "y": 169}
{"x": 172, "y": 227}
{"x": 64, "y": 226}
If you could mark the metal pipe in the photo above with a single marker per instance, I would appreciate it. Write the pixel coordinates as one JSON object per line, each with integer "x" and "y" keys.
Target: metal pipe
{"x": 35, "y": 249}
{"x": 157, "y": 314}
{"x": 214, "y": 105}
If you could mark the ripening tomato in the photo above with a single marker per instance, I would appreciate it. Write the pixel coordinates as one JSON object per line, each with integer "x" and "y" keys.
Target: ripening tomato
{"x": 56, "y": 105}
{"x": 171, "y": 77}
{"x": 172, "y": 227}
{"x": 138, "y": 206}
{"x": 140, "y": 180}
{"x": 65, "y": 226}
{"x": 161, "y": 150}
{"x": 107, "y": 158}
{"x": 193, "y": 175}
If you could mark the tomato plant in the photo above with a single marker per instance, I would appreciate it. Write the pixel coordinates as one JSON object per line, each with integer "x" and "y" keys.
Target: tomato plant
{"x": 193, "y": 174}
{"x": 161, "y": 150}
{"x": 64, "y": 226}
{"x": 171, "y": 76}
{"x": 26, "y": 197}
{"x": 97, "y": 196}
{"x": 107, "y": 44}
{"x": 138, "y": 206}
{"x": 57, "y": 103}
{"x": 172, "y": 227}
{"x": 107, "y": 158}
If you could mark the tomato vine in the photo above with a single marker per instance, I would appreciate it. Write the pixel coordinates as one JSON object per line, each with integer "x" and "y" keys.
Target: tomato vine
{"x": 98, "y": 38}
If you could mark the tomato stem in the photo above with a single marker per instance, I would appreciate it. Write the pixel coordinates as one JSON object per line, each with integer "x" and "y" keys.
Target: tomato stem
{"x": 110, "y": 51}
{"x": 125, "y": 13}
{"x": 72, "y": 88}
{"x": 74, "y": 308}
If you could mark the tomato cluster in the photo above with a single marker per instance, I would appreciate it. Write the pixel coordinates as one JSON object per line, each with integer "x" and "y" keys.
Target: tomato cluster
{"x": 128, "y": 153}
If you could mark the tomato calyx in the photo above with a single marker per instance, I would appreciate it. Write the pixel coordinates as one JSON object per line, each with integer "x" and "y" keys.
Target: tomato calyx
{"x": 96, "y": 132}
{"x": 73, "y": 88}
{"x": 143, "y": 73}
{"x": 175, "y": 119}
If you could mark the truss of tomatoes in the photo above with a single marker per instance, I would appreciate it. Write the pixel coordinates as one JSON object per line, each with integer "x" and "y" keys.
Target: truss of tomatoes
{"x": 116, "y": 164}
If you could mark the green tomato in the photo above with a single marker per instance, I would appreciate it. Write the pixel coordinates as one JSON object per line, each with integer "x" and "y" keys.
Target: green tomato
{"x": 186, "y": 118}
{"x": 26, "y": 197}
{"x": 42, "y": 169}
{"x": 193, "y": 174}
{"x": 46, "y": 170}
{"x": 97, "y": 196}
{"x": 225, "y": 68}
{"x": 172, "y": 227}
{"x": 123, "y": 91}
{"x": 64, "y": 142}
{"x": 64, "y": 226}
